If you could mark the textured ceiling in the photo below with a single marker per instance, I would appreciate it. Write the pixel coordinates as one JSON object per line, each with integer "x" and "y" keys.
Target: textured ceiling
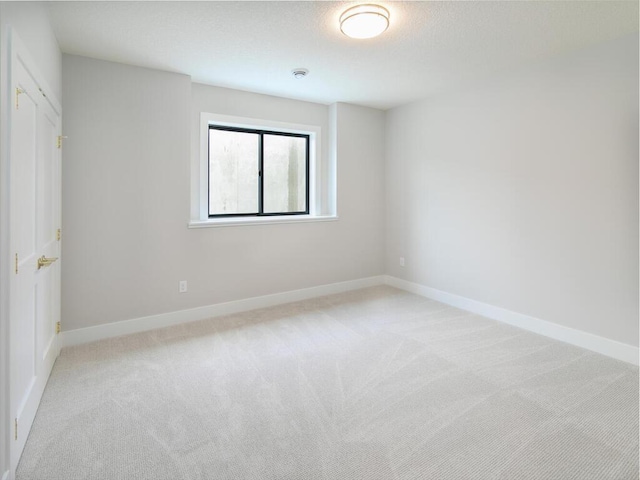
{"x": 429, "y": 47}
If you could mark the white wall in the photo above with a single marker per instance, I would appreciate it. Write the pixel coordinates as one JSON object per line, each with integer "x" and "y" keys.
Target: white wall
{"x": 126, "y": 191}
{"x": 523, "y": 192}
{"x": 31, "y": 23}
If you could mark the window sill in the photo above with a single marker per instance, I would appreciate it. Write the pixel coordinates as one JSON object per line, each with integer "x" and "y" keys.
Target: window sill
{"x": 243, "y": 221}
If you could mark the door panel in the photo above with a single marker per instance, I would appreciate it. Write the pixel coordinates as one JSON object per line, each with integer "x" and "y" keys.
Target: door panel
{"x": 47, "y": 223}
{"x": 34, "y": 221}
{"x": 23, "y": 233}
{"x": 23, "y": 168}
{"x": 45, "y": 178}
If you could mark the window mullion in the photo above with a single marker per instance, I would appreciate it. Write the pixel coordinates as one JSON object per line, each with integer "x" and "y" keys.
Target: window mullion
{"x": 261, "y": 175}
{"x": 307, "y": 192}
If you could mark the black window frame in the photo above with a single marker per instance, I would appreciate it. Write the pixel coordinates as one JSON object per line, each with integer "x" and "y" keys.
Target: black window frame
{"x": 260, "y": 132}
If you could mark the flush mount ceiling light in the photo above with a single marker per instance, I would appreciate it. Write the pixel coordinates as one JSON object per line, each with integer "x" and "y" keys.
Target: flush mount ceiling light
{"x": 364, "y": 21}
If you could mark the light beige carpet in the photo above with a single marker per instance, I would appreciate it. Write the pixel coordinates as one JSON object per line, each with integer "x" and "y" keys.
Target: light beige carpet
{"x": 371, "y": 384}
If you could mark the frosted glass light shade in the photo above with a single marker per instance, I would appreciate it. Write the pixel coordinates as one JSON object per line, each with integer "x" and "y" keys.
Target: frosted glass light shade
{"x": 364, "y": 21}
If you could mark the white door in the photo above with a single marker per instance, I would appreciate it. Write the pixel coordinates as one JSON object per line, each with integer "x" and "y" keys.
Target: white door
{"x": 34, "y": 308}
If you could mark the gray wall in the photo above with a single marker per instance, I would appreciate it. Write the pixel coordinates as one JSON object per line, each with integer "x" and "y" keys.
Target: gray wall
{"x": 126, "y": 190}
{"x": 523, "y": 191}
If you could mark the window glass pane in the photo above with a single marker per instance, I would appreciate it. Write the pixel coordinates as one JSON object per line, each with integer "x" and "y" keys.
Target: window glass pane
{"x": 285, "y": 174}
{"x": 233, "y": 172}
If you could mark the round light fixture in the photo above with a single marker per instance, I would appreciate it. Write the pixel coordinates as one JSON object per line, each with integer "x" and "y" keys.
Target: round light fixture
{"x": 364, "y": 21}
{"x": 299, "y": 73}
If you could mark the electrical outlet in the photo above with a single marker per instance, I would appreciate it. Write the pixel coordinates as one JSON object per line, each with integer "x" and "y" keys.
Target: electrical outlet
{"x": 402, "y": 261}
{"x": 183, "y": 286}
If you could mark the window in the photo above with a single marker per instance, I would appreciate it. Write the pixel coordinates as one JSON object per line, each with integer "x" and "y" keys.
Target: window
{"x": 277, "y": 175}
{"x": 255, "y": 172}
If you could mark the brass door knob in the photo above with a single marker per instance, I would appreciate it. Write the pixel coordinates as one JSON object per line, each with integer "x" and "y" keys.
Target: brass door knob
{"x": 45, "y": 262}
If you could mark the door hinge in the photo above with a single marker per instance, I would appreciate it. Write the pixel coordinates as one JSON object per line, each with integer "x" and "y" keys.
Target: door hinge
{"x": 58, "y": 328}
{"x": 60, "y": 137}
{"x": 18, "y": 92}
{"x": 15, "y": 429}
{"x": 16, "y": 263}
{"x": 59, "y": 234}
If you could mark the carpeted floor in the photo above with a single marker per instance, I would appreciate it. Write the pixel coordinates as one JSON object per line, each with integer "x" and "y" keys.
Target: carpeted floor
{"x": 371, "y": 384}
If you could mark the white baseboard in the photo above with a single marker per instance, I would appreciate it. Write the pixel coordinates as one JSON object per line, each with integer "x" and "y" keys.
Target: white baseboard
{"x": 6, "y": 475}
{"x": 611, "y": 348}
{"x": 125, "y": 327}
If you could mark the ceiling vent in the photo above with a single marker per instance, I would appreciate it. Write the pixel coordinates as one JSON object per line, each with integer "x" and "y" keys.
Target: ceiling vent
{"x": 300, "y": 72}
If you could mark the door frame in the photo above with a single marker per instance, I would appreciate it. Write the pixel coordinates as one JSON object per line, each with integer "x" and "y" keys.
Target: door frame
{"x": 10, "y": 48}
{"x": 5, "y": 195}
